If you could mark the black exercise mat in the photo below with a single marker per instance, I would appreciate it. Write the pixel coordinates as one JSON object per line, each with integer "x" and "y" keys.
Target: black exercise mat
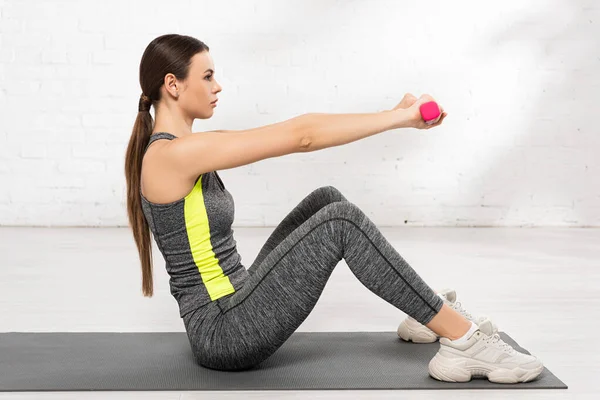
{"x": 163, "y": 361}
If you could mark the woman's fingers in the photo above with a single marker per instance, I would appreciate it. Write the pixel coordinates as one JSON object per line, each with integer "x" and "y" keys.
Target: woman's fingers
{"x": 439, "y": 121}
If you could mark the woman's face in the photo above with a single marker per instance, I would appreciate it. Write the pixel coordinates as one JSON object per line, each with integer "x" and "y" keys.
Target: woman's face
{"x": 200, "y": 88}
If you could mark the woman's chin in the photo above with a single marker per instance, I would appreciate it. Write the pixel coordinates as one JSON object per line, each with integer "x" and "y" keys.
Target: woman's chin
{"x": 207, "y": 114}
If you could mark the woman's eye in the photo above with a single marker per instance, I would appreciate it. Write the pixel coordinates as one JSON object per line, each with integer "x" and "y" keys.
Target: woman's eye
{"x": 209, "y": 76}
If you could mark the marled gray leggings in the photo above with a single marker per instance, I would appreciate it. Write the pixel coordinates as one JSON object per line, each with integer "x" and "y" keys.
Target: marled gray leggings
{"x": 242, "y": 329}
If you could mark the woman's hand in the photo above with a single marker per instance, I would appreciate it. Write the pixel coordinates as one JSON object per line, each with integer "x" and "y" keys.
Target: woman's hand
{"x": 407, "y": 101}
{"x": 409, "y": 114}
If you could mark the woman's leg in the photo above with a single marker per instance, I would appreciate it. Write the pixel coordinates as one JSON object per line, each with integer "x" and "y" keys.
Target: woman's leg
{"x": 312, "y": 203}
{"x": 284, "y": 288}
{"x": 445, "y": 323}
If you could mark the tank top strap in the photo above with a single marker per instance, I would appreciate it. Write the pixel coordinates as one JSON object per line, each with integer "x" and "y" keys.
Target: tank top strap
{"x": 159, "y": 135}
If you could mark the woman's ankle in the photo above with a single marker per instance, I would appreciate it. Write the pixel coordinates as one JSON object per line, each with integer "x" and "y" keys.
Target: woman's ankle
{"x": 449, "y": 323}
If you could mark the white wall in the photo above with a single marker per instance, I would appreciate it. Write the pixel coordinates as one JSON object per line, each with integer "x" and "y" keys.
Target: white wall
{"x": 520, "y": 80}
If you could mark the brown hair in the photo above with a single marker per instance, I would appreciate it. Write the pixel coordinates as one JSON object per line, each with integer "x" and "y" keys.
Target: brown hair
{"x": 170, "y": 53}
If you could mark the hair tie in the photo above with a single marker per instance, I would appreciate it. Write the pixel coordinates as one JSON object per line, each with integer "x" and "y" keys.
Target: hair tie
{"x": 144, "y": 103}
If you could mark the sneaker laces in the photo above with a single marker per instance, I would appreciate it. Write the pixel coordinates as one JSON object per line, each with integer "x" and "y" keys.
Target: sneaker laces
{"x": 458, "y": 307}
{"x": 497, "y": 342}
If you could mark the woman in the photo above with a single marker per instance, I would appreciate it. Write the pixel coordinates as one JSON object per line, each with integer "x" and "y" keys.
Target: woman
{"x": 235, "y": 317}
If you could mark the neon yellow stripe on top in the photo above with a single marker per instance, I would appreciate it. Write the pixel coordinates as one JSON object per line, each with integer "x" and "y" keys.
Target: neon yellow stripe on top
{"x": 198, "y": 230}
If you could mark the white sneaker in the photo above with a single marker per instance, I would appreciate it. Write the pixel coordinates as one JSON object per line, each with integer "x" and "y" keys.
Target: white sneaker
{"x": 412, "y": 330}
{"x": 484, "y": 354}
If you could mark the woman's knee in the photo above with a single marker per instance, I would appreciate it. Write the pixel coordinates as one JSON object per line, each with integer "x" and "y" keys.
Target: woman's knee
{"x": 345, "y": 210}
{"x": 329, "y": 192}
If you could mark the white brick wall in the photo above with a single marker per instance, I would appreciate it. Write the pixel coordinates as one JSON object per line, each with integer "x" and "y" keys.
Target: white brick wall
{"x": 520, "y": 80}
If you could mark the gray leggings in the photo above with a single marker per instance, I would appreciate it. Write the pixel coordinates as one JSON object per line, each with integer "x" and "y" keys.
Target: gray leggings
{"x": 241, "y": 330}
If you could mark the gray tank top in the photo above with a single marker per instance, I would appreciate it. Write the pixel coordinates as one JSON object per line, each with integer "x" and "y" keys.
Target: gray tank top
{"x": 195, "y": 238}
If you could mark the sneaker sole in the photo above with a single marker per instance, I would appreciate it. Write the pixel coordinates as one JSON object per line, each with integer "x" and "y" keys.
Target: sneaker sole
{"x": 408, "y": 334}
{"x": 454, "y": 370}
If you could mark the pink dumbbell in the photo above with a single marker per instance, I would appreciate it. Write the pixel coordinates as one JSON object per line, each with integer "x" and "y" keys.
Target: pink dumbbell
{"x": 430, "y": 112}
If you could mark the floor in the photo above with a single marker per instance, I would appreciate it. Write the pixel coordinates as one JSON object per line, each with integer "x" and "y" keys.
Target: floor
{"x": 539, "y": 285}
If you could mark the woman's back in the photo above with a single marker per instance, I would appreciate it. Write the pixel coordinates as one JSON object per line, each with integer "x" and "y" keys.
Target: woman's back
{"x": 195, "y": 238}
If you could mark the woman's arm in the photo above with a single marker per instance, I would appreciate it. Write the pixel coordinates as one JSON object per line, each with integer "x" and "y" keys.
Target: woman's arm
{"x": 328, "y": 130}
{"x": 221, "y": 131}
{"x": 323, "y": 130}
